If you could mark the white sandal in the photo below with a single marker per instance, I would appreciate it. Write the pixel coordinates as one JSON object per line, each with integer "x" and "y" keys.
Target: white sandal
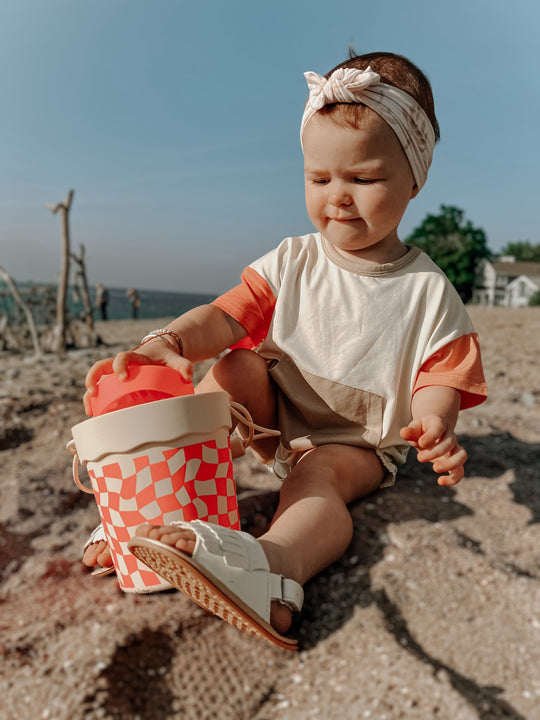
{"x": 97, "y": 535}
{"x": 228, "y": 575}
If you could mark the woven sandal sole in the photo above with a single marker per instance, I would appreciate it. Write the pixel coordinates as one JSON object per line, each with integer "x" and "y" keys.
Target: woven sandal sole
{"x": 181, "y": 571}
{"x": 102, "y": 571}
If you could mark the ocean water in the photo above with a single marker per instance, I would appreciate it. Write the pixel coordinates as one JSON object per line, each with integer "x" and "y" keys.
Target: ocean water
{"x": 42, "y": 301}
{"x": 153, "y": 303}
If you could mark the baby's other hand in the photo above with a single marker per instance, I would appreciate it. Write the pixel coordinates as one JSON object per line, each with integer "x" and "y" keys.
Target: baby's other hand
{"x": 437, "y": 443}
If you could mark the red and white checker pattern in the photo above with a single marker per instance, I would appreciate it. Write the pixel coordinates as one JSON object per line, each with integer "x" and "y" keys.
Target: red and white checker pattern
{"x": 159, "y": 485}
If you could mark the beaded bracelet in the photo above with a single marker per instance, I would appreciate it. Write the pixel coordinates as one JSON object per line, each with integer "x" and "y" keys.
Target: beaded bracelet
{"x": 159, "y": 333}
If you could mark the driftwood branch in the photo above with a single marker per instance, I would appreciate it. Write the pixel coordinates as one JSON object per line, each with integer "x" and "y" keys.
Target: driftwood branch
{"x": 8, "y": 335}
{"x": 60, "y": 328}
{"x": 28, "y": 313}
{"x": 80, "y": 260}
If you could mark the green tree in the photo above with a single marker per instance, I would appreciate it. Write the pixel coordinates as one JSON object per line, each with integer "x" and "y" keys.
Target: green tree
{"x": 454, "y": 244}
{"x": 522, "y": 250}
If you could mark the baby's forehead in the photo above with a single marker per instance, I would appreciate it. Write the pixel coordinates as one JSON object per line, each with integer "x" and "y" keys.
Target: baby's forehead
{"x": 354, "y": 116}
{"x": 327, "y": 142}
{"x": 362, "y": 128}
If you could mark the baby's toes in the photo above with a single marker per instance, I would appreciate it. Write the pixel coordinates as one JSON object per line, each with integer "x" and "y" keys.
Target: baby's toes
{"x": 180, "y": 538}
{"x": 104, "y": 558}
{"x": 97, "y": 553}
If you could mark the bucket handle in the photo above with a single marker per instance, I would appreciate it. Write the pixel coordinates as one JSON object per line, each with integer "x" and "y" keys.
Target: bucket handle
{"x": 242, "y": 414}
{"x": 73, "y": 450}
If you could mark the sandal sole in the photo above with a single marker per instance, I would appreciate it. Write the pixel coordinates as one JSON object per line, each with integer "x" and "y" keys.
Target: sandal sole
{"x": 102, "y": 571}
{"x": 182, "y": 571}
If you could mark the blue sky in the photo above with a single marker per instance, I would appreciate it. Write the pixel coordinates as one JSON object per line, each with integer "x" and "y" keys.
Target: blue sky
{"x": 176, "y": 122}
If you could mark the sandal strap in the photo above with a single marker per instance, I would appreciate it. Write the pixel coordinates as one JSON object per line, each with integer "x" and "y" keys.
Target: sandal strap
{"x": 216, "y": 545}
{"x": 97, "y": 534}
{"x": 286, "y": 591}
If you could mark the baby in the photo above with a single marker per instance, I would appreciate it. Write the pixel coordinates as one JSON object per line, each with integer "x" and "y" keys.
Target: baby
{"x": 361, "y": 348}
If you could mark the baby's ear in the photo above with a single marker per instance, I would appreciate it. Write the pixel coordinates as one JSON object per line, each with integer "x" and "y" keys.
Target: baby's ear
{"x": 415, "y": 190}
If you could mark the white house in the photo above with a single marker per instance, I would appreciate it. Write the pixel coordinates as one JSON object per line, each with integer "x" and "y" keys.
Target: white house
{"x": 520, "y": 290}
{"x": 506, "y": 282}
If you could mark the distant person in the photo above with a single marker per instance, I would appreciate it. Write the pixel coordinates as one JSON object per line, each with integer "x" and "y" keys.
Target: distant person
{"x": 135, "y": 301}
{"x": 102, "y": 300}
{"x": 361, "y": 348}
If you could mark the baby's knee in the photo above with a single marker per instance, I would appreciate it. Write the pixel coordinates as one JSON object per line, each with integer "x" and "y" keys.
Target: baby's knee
{"x": 352, "y": 471}
{"x": 243, "y": 357}
{"x": 241, "y": 363}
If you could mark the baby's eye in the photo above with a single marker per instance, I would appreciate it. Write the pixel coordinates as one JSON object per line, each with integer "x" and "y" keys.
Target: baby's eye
{"x": 363, "y": 181}
{"x": 319, "y": 181}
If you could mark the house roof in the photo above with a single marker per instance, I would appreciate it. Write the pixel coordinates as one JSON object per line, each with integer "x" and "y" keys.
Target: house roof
{"x": 532, "y": 280}
{"x": 513, "y": 269}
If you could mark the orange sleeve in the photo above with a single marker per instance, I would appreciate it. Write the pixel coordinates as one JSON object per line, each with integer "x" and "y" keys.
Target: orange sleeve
{"x": 459, "y": 365}
{"x": 251, "y": 304}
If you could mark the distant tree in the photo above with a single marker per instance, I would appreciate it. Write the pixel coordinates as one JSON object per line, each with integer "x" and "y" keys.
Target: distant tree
{"x": 522, "y": 250}
{"x": 454, "y": 244}
{"x": 535, "y": 299}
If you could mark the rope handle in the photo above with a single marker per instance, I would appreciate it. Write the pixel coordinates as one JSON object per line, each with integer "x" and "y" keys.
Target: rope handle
{"x": 73, "y": 450}
{"x": 238, "y": 411}
{"x": 242, "y": 414}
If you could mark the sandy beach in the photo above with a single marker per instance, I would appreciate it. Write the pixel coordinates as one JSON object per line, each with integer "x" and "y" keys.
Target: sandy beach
{"x": 433, "y": 611}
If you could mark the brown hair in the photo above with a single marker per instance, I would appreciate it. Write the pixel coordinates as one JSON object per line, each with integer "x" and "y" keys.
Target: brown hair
{"x": 394, "y": 70}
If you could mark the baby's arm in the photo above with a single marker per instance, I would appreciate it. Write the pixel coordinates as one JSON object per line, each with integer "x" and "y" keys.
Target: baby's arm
{"x": 205, "y": 331}
{"x": 435, "y": 411}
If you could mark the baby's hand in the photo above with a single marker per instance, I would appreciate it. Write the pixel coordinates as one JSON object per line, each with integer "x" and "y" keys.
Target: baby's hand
{"x": 437, "y": 443}
{"x": 156, "y": 352}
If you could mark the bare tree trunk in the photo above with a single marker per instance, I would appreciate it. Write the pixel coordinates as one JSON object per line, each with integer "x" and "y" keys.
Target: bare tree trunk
{"x": 60, "y": 328}
{"x": 28, "y": 313}
{"x": 85, "y": 295}
{"x": 8, "y": 335}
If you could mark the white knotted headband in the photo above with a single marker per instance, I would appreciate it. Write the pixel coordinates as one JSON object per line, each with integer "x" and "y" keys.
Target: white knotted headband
{"x": 401, "y": 111}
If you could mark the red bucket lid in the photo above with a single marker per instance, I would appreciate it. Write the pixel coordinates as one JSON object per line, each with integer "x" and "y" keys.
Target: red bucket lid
{"x": 144, "y": 383}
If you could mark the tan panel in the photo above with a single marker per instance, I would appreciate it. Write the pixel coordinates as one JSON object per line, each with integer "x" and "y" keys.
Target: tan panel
{"x": 324, "y": 411}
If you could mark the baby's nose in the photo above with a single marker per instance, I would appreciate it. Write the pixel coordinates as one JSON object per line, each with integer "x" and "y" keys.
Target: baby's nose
{"x": 340, "y": 197}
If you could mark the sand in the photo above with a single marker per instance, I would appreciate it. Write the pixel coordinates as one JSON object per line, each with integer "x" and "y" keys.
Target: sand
{"x": 433, "y": 611}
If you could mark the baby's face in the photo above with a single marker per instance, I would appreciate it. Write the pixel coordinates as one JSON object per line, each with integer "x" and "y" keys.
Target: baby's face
{"x": 358, "y": 185}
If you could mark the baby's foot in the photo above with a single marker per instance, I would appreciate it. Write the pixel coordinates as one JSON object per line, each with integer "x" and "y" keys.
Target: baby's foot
{"x": 184, "y": 539}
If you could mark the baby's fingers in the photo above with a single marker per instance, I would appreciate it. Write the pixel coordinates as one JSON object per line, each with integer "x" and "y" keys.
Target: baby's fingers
{"x": 102, "y": 367}
{"x": 180, "y": 364}
{"x": 122, "y": 361}
{"x": 445, "y": 447}
{"x": 412, "y": 432}
{"x": 453, "y": 465}
{"x": 452, "y": 478}
{"x": 433, "y": 429}
{"x": 451, "y": 461}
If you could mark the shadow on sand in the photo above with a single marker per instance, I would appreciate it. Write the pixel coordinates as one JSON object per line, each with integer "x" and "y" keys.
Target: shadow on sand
{"x": 415, "y": 496}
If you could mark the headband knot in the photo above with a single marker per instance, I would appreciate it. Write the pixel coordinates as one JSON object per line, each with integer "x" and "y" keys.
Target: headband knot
{"x": 400, "y": 110}
{"x": 341, "y": 87}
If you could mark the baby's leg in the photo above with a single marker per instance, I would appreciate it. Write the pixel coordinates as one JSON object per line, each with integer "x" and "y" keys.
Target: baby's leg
{"x": 312, "y": 526}
{"x": 243, "y": 374}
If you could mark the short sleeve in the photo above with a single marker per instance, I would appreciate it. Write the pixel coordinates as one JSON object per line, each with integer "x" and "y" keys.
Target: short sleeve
{"x": 251, "y": 304}
{"x": 459, "y": 365}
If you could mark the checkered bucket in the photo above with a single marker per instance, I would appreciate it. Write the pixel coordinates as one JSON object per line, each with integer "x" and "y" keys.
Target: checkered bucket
{"x": 155, "y": 463}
